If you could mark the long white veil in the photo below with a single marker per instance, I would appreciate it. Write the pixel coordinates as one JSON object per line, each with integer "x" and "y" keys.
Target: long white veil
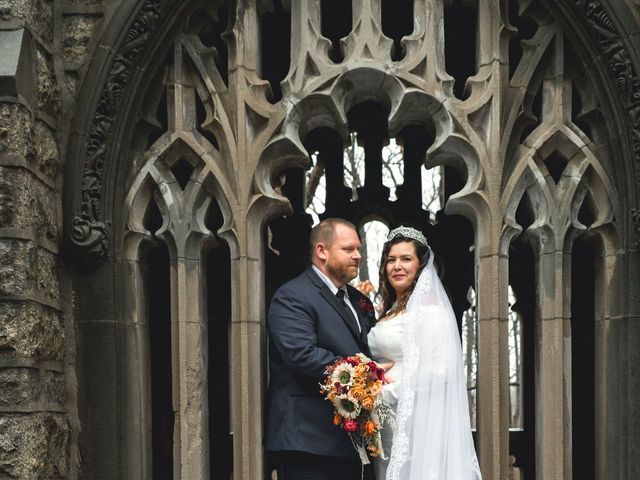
{"x": 433, "y": 435}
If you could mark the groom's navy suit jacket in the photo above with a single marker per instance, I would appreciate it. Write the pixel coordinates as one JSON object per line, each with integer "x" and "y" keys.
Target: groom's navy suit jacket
{"x": 308, "y": 330}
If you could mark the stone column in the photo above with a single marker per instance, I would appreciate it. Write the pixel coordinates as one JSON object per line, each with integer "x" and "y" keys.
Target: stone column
{"x": 190, "y": 386}
{"x": 553, "y": 362}
{"x": 248, "y": 364}
{"x": 630, "y": 392}
{"x": 138, "y": 462}
{"x": 35, "y": 431}
{"x": 607, "y": 363}
{"x": 493, "y": 360}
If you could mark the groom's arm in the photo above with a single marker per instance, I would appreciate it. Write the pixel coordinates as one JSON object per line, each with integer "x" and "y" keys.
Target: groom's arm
{"x": 293, "y": 332}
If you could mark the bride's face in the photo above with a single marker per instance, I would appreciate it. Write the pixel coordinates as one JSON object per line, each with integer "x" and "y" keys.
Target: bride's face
{"x": 402, "y": 266}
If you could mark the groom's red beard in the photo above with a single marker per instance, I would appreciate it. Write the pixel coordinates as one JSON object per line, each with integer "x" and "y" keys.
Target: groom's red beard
{"x": 344, "y": 273}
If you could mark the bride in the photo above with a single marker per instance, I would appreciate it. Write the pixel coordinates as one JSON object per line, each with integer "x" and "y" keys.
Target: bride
{"x": 417, "y": 331}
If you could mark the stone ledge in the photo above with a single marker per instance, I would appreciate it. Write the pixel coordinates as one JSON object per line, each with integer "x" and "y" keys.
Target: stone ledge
{"x": 33, "y": 297}
{"x": 55, "y": 409}
{"x": 18, "y": 161}
{"x": 91, "y": 7}
{"x": 30, "y": 235}
{"x": 16, "y": 71}
{"x": 15, "y": 362}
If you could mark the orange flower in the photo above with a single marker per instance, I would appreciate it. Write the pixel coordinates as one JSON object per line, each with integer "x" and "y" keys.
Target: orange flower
{"x": 359, "y": 381}
{"x": 337, "y": 419}
{"x": 375, "y": 388}
{"x": 357, "y": 393}
{"x": 361, "y": 369}
{"x": 368, "y": 402}
{"x": 370, "y": 427}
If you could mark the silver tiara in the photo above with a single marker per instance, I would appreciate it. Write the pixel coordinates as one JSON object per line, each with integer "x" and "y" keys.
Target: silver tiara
{"x": 408, "y": 232}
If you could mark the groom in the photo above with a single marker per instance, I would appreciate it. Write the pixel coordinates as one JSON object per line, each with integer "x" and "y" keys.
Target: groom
{"x": 310, "y": 327}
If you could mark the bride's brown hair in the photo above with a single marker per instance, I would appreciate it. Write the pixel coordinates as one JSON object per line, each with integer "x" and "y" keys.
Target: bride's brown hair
{"x": 386, "y": 291}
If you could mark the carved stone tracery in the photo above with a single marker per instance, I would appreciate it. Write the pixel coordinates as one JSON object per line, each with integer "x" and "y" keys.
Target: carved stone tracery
{"x": 89, "y": 230}
{"x": 616, "y": 52}
{"x": 254, "y": 141}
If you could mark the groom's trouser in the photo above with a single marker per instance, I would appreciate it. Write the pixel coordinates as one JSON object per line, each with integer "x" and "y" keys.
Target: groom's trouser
{"x": 305, "y": 466}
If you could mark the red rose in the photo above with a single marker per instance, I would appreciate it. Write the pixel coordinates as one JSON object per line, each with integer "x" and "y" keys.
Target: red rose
{"x": 350, "y": 425}
{"x": 366, "y": 306}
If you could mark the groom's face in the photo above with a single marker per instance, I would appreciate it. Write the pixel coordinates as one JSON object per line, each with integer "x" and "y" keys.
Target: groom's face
{"x": 342, "y": 256}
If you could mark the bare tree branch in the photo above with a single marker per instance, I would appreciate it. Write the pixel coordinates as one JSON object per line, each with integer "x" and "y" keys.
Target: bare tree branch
{"x": 313, "y": 180}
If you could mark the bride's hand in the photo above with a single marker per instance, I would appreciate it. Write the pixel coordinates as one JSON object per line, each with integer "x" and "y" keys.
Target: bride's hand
{"x": 387, "y": 366}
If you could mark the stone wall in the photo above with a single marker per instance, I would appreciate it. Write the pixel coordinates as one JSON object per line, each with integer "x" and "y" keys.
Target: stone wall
{"x": 38, "y": 424}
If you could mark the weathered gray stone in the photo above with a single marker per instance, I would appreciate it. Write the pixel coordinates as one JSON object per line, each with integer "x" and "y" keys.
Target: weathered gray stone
{"x": 37, "y": 14}
{"x": 16, "y": 130}
{"x": 33, "y": 446}
{"x": 25, "y": 269}
{"x": 32, "y": 205}
{"x": 31, "y": 330}
{"x": 77, "y": 31}
{"x": 47, "y": 160}
{"x": 17, "y": 261}
{"x": 7, "y": 205}
{"x": 71, "y": 83}
{"x": 55, "y": 388}
{"x": 19, "y": 386}
{"x": 16, "y": 71}
{"x": 48, "y": 281}
{"x": 47, "y": 93}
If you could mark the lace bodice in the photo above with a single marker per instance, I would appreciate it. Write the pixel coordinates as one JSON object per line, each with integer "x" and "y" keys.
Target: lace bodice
{"x": 385, "y": 343}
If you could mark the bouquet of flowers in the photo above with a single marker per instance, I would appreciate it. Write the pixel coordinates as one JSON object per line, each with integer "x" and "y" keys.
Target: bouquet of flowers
{"x": 354, "y": 386}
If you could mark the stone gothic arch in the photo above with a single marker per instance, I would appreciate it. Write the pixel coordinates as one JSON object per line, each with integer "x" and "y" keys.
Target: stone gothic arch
{"x": 176, "y": 116}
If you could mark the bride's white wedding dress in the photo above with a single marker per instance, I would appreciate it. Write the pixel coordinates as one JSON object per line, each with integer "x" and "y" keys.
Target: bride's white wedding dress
{"x": 432, "y": 440}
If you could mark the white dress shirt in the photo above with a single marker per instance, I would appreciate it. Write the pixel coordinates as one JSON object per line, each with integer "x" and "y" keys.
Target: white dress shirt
{"x": 335, "y": 289}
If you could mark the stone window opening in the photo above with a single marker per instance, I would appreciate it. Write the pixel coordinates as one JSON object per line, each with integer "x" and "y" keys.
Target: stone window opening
{"x": 397, "y": 23}
{"x": 488, "y": 102}
{"x": 158, "y": 295}
{"x": 275, "y": 42}
{"x": 522, "y": 444}
{"x": 460, "y": 31}
{"x": 210, "y": 25}
{"x": 336, "y": 24}
{"x": 524, "y": 27}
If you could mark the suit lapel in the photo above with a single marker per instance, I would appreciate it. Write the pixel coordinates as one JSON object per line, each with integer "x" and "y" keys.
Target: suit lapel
{"x": 335, "y": 303}
{"x": 362, "y": 318}
{"x": 341, "y": 309}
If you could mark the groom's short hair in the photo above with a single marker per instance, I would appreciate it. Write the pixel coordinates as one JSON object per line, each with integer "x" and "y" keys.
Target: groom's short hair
{"x": 323, "y": 232}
